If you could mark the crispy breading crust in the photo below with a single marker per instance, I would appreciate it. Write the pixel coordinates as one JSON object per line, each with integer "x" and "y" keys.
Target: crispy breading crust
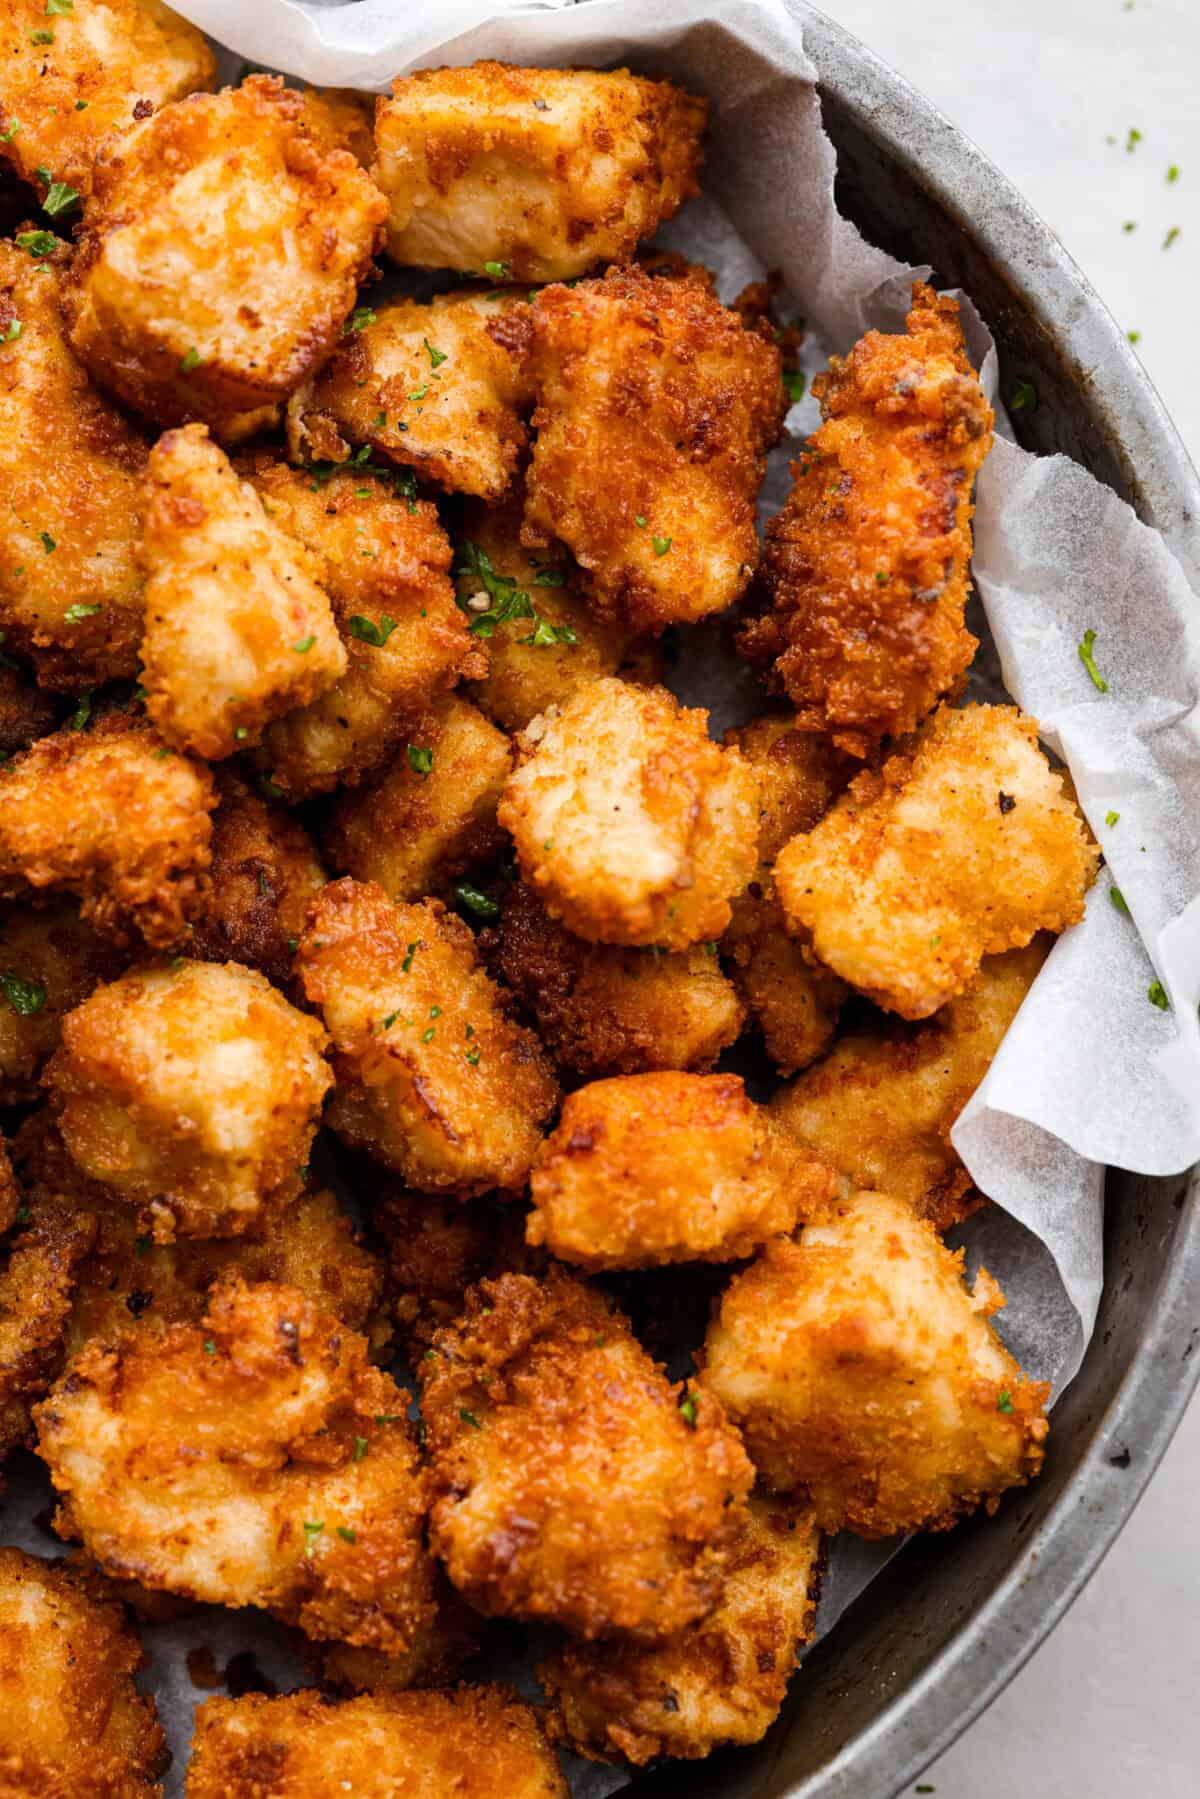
{"x": 630, "y": 824}
{"x": 573, "y": 1482}
{"x": 474, "y": 1742}
{"x": 880, "y": 1106}
{"x": 434, "y": 1078}
{"x": 255, "y": 1459}
{"x": 50, "y": 960}
{"x": 220, "y": 254}
{"x": 542, "y": 173}
{"x": 415, "y": 830}
{"x": 867, "y": 566}
{"x": 654, "y": 404}
{"x": 70, "y": 465}
{"x": 720, "y": 1681}
{"x": 864, "y": 1373}
{"x": 653, "y": 1168}
{"x": 41, "y": 1265}
{"x": 384, "y": 561}
{"x": 439, "y": 1652}
{"x": 966, "y": 843}
{"x": 112, "y": 815}
{"x": 26, "y": 711}
{"x": 601, "y": 1009}
{"x": 72, "y": 1723}
{"x": 193, "y": 1091}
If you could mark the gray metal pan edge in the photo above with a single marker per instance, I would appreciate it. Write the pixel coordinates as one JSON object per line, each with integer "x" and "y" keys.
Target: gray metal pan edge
{"x": 952, "y": 1619}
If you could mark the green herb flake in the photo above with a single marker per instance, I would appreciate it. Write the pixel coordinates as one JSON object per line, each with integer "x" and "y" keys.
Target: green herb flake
{"x": 882, "y": 577}
{"x": 390, "y": 1020}
{"x": 1024, "y": 397}
{"x": 661, "y": 545}
{"x": 498, "y": 271}
{"x": 312, "y": 1530}
{"x": 59, "y": 9}
{"x": 1169, "y": 239}
{"x": 210, "y": 1347}
{"x": 925, "y": 1789}
{"x": 1004, "y": 1403}
{"x": 1172, "y": 173}
{"x": 189, "y": 361}
{"x": 436, "y": 357}
{"x": 1111, "y": 818}
{"x": 304, "y": 646}
{"x": 82, "y": 105}
{"x": 25, "y": 997}
{"x": 387, "y": 1417}
{"x": 361, "y": 1447}
{"x": 418, "y": 393}
{"x": 48, "y": 543}
{"x": 1133, "y": 139}
{"x": 1156, "y": 993}
{"x": 469, "y": 1418}
{"x": 346, "y": 1534}
{"x": 41, "y": 37}
{"x": 473, "y": 900}
{"x": 1089, "y": 661}
{"x": 78, "y": 611}
{"x": 544, "y": 634}
{"x": 419, "y": 760}
{"x": 408, "y": 959}
{"x": 472, "y": 1056}
{"x": 367, "y": 631}
{"x": 550, "y": 577}
{"x": 37, "y": 243}
{"x": 270, "y": 790}
{"x": 1135, "y": 337}
{"x": 795, "y": 381}
{"x": 639, "y": 520}
{"x": 1119, "y": 901}
{"x": 9, "y": 135}
{"x": 82, "y": 713}
{"x": 1129, "y": 225}
{"x": 687, "y": 1410}
{"x": 359, "y": 319}
{"x": 60, "y": 198}
{"x": 13, "y": 332}
{"x": 429, "y": 1035}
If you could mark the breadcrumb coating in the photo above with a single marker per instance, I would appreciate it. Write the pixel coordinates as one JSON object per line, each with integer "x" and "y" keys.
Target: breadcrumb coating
{"x": 50, "y": 961}
{"x": 434, "y": 1078}
{"x": 438, "y": 1654}
{"x": 473, "y": 1742}
{"x": 436, "y": 1247}
{"x": 72, "y": 1723}
{"x": 255, "y": 1459}
{"x": 192, "y": 1090}
{"x": 532, "y": 174}
{"x": 655, "y": 410}
{"x": 108, "y": 812}
{"x": 238, "y": 629}
{"x": 572, "y": 1481}
{"x": 867, "y": 566}
{"x": 879, "y": 1108}
{"x": 70, "y": 467}
{"x": 40, "y": 1264}
{"x": 601, "y": 1009}
{"x": 721, "y": 1680}
{"x": 965, "y": 843}
{"x": 630, "y": 824}
{"x": 26, "y": 711}
{"x": 652, "y": 1168}
{"x": 864, "y": 1373}
{"x": 220, "y": 254}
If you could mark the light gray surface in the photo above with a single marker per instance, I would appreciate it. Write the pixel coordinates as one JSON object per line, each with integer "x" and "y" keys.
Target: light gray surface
{"x": 1106, "y": 1709}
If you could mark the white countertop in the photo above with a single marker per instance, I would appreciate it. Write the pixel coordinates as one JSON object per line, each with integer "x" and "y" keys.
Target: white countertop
{"x": 1109, "y": 1707}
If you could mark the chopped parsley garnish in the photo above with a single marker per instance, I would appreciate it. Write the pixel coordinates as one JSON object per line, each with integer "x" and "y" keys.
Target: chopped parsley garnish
{"x": 550, "y": 577}
{"x": 544, "y": 634}
{"x": 41, "y": 37}
{"x": 48, "y": 543}
{"x": 1133, "y": 140}
{"x": 1089, "y": 661}
{"x": 1111, "y": 818}
{"x": 1119, "y": 901}
{"x": 387, "y": 1417}
{"x": 1024, "y": 397}
{"x": 25, "y": 997}
{"x": 1129, "y": 225}
{"x": 1169, "y": 239}
{"x": 429, "y": 1035}
{"x": 506, "y": 600}
{"x": 882, "y": 577}
{"x": 9, "y": 136}
{"x": 419, "y": 760}
{"x": 359, "y": 319}
{"x": 1135, "y": 337}
{"x": 687, "y": 1410}
{"x": 13, "y": 332}
{"x": 38, "y": 243}
{"x": 472, "y": 1056}
{"x": 418, "y": 393}
{"x": 1004, "y": 1403}
{"x": 346, "y": 1534}
{"x": 473, "y": 900}
{"x": 60, "y": 198}
{"x": 78, "y": 611}
{"x": 391, "y": 1018}
{"x": 795, "y": 381}
{"x": 469, "y": 1418}
{"x": 1172, "y": 173}
{"x": 210, "y": 1347}
{"x": 312, "y": 1530}
{"x": 661, "y": 545}
{"x": 304, "y": 646}
{"x": 1156, "y": 993}
{"x": 82, "y": 713}
{"x": 408, "y": 959}
{"x": 59, "y": 9}
{"x": 497, "y": 270}
{"x": 639, "y": 519}
{"x": 189, "y": 361}
{"x": 360, "y": 1448}
{"x": 81, "y": 105}
{"x": 436, "y": 357}
{"x": 367, "y": 631}
{"x": 270, "y": 790}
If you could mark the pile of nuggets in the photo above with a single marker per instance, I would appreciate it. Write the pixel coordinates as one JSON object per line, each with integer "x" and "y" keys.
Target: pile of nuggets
{"x": 341, "y": 791}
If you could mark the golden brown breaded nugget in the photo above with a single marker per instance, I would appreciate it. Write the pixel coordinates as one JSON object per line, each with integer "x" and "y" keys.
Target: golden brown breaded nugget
{"x": 630, "y": 824}
{"x": 532, "y": 174}
{"x": 110, "y": 813}
{"x": 41, "y": 1262}
{"x": 864, "y": 1372}
{"x": 439, "y": 1651}
{"x": 430, "y": 815}
{"x": 238, "y": 630}
{"x": 265, "y": 870}
{"x": 70, "y": 465}
{"x": 655, "y": 410}
{"x": 799, "y": 777}
{"x": 474, "y": 1743}
{"x": 965, "y": 844}
{"x": 438, "y": 387}
{"x": 601, "y": 1009}
{"x": 867, "y": 565}
{"x": 652, "y": 1168}
{"x": 720, "y": 1681}
{"x": 26, "y": 712}
{"x": 50, "y": 960}
{"x": 72, "y": 1723}
{"x": 573, "y": 1482}
{"x": 254, "y": 1459}
{"x": 220, "y": 254}
{"x": 347, "y": 116}
{"x": 193, "y": 1090}
{"x": 75, "y": 77}
{"x": 436, "y": 1247}
{"x": 540, "y": 652}
{"x": 384, "y": 562}
{"x": 880, "y": 1106}
{"x": 434, "y": 1079}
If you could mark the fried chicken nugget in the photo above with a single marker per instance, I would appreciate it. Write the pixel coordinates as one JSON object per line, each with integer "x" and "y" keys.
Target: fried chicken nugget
{"x": 965, "y": 844}
{"x": 601, "y": 1009}
{"x": 533, "y": 174}
{"x": 430, "y": 815}
{"x": 112, "y": 815}
{"x": 630, "y": 824}
{"x": 73, "y": 80}
{"x": 50, "y": 961}
{"x": 255, "y": 1459}
{"x": 265, "y": 871}
{"x": 655, "y": 410}
{"x": 434, "y": 1078}
{"x": 438, "y": 387}
{"x": 41, "y": 1263}
{"x": 573, "y": 1482}
{"x": 474, "y": 1743}
{"x": 880, "y": 1106}
{"x": 70, "y": 465}
{"x": 653, "y": 1168}
{"x": 865, "y": 1373}
{"x": 867, "y": 566}
{"x": 238, "y": 629}
{"x": 384, "y": 561}
{"x": 220, "y": 255}
{"x": 192, "y": 1090}
{"x": 721, "y": 1680}
{"x": 72, "y": 1723}
{"x": 439, "y": 1651}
